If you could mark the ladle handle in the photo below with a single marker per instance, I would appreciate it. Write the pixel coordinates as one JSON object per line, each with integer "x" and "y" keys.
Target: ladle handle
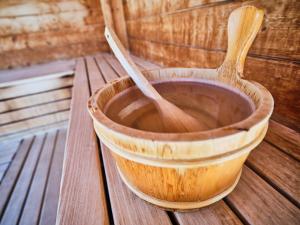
{"x": 124, "y": 58}
{"x": 243, "y": 25}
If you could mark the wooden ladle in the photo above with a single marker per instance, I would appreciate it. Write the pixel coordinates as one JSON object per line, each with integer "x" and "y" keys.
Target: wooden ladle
{"x": 174, "y": 119}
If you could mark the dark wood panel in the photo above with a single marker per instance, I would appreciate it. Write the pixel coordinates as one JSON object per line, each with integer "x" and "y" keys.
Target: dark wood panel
{"x": 82, "y": 198}
{"x": 282, "y": 79}
{"x": 275, "y": 166}
{"x": 258, "y": 203}
{"x": 206, "y": 28}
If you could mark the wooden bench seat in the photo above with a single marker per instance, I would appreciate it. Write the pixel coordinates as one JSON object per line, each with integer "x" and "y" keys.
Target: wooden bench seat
{"x": 93, "y": 193}
{"x": 30, "y": 183}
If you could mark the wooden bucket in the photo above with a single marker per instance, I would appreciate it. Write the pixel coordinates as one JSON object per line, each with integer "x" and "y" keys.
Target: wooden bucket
{"x": 184, "y": 170}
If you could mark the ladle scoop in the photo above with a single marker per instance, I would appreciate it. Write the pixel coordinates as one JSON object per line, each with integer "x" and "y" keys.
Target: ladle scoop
{"x": 174, "y": 119}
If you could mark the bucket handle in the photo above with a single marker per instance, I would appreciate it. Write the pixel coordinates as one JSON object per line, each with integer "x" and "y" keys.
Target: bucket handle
{"x": 243, "y": 26}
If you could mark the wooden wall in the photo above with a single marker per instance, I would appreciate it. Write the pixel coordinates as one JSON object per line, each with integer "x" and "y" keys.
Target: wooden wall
{"x": 38, "y": 31}
{"x": 193, "y": 34}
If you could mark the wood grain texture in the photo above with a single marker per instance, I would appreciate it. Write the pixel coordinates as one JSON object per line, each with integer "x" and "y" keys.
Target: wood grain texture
{"x": 204, "y": 28}
{"x": 48, "y": 26}
{"x": 258, "y": 203}
{"x": 218, "y": 214}
{"x": 276, "y": 166}
{"x": 81, "y": 147}
{"x": 286, "y": 139}
{"x": 126, "y": 207}
{"x": 136, "y": 10}
{"x": 194, "y": 36}
{"x": 284, "y": 81}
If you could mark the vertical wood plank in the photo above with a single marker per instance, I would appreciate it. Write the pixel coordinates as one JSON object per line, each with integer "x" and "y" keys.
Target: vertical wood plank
{"x": 49, "y": 208}
{"x": 82, "y": 198}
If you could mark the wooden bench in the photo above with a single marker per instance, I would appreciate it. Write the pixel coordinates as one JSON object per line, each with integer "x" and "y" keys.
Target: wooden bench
{"x": 93, "y": 193}
{"x": 35, "y": 98}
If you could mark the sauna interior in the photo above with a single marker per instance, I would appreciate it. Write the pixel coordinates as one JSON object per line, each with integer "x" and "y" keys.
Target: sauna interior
{"x": 54, "y": 57}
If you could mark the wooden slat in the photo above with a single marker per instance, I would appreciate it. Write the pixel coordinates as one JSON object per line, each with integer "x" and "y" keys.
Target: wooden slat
{"x": 13, "y": 172}
{"x": 50, "y": 204}
{"x": 6, "y": 157}
{"x": 217, "y": 214}
{"x": 113, "y": 62}
{"x": 37, "y": 72}
{"x": 204, "y": 27}
{"x": 36, "y": 99}
{"x": 258, "y": 203}
{"x": 126, "y": 207}
{"x": 15, "y": 204}
{"x": 278, "y": 168}
{"x": 106, "y": 70}
{"x": 145, "y": 64}
{"x": 35, "y": 87}
{"x": 284, "y": 138}
{"x": 284, "y": 81}
{"x": 3, "y": 168}
{"x": 82, "y": 197}
{"x": 9, "y": 117}
{"x": 34, "y": 199}
{"x": 34, "y": 123}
